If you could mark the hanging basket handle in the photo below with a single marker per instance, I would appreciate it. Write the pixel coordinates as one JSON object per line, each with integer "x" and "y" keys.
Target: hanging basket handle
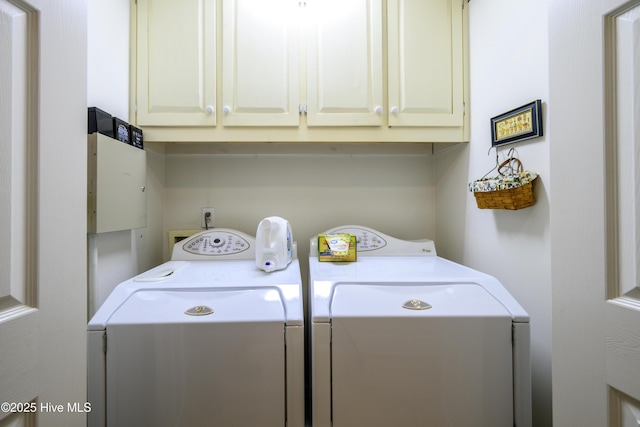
{"x": 508, "y": 162}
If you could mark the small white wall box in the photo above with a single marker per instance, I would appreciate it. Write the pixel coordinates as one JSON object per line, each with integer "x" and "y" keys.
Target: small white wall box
{"x": 116, "y": 197}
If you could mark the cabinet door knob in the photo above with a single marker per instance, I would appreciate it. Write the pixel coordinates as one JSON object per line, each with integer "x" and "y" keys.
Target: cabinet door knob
{"x": 394, "y": 110}
{"x": 378, "y": 109}
{"x": 226, "y": 109}
{"x": 209, "y": 109}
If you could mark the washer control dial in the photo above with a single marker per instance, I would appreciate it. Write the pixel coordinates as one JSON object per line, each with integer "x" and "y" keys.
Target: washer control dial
{"x": 216, "y": 243}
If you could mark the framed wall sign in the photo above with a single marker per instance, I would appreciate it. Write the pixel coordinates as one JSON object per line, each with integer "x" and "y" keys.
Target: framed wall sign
{"x": 517, "y": 125}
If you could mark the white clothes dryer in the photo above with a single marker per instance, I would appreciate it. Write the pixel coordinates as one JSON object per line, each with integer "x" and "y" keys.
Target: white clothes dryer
{"x": 204, "y": 339}
{"x": 402, "y": 337}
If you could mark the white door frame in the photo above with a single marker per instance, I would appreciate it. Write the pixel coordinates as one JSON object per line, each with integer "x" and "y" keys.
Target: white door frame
{"x": 43, "y": 172}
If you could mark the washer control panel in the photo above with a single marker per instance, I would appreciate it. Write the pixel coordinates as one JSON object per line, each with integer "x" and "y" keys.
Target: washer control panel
{"x": 215, "y": 243}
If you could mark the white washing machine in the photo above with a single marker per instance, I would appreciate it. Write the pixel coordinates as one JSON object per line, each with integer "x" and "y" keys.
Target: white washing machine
{"x": 402, "y": 337}
{"x": 204, "y": 339}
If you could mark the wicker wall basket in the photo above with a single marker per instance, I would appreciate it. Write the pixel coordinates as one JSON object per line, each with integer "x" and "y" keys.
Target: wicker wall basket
{"x": 508, "y": 191}
{"x": 513, "y": 199}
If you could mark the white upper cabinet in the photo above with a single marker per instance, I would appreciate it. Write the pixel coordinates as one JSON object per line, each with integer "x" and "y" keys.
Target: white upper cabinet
{"x": 300, "y": 70}
{"x": 426, "y": 79}
{"x": 176, "y": 63}
{"x": 344, "y": 63}
{"x": 260, "y": 63}
{"x": 261, "y": 66}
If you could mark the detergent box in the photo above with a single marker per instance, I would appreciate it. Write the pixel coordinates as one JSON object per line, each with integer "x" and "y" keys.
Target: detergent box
{"x": 337, "y": 247}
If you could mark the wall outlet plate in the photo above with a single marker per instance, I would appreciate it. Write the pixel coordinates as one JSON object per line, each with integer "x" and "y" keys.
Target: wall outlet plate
{"x": 207, "y": 218}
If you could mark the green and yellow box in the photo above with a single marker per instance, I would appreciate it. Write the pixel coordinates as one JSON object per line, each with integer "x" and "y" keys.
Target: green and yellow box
{"x": 338, "y": 247}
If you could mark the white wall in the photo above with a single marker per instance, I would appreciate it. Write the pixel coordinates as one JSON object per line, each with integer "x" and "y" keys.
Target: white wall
{"x": 117, "y": 256}
{"x": 108, "y": 56}
{"x": 509, "y": 68}
{"x": 392, "y": 193}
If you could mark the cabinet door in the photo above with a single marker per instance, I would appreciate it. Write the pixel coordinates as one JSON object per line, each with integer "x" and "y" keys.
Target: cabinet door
{"x": 425, "y": 63}
{"x": 176, "y": 78}
{"x": 344, "y": 63}
{"x": 260, "y": 63}
{"x": 117, "y": 175}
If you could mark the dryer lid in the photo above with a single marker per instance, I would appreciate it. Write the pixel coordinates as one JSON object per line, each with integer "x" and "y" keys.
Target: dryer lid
{"x": 213, "y": 305}
{"x": 414, "y": 299}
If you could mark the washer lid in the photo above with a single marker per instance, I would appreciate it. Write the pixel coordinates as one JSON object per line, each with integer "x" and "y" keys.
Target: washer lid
{"x": 402, "y": 300}
{"x": 212, "y": 305}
